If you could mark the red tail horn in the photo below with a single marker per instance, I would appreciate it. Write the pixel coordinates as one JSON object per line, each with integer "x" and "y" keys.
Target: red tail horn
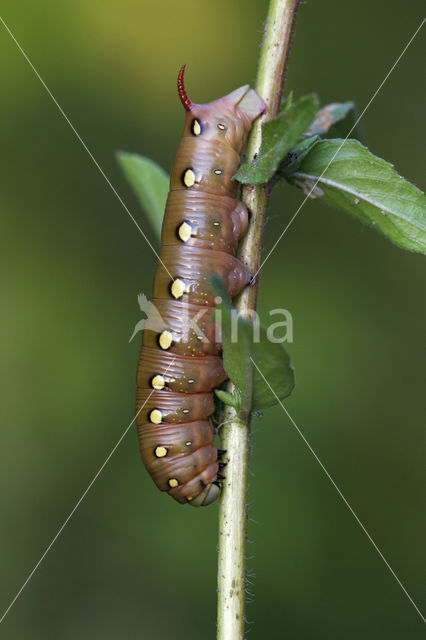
{"x": 181, "y": 90}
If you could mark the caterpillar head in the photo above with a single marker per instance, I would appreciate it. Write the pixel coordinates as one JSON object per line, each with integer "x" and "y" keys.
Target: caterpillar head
{"x": 206, "y": 497}
{"x": 226, "y": 120}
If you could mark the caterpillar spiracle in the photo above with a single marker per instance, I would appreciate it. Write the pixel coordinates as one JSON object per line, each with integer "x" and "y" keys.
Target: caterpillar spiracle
{"x": 180, "y": 363}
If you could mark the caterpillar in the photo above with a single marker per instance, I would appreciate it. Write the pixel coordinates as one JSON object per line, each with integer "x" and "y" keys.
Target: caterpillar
{"x": 180, "y": 363}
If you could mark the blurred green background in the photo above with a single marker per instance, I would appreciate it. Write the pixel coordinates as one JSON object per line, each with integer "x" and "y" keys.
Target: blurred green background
{"x": 132, "y": 563}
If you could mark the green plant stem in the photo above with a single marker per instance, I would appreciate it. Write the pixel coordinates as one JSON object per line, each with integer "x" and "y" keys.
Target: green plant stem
{"x": 236, "y": 430}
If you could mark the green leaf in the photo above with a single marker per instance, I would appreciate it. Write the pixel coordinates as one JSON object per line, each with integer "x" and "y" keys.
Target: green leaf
{"x": 287, "y": 102}
{"x": 351, "y": 178}
{"x": 274, "y": 363}
{"x": 150, "y": 183}
{"x": 336, "y": 120}
{"x": 242, "y": 341}
{"x": 235, "y": 341}
{"x": 295, "y": 156}
{"x": 329, "y": 115}
{"x": 278, "y": 137}
{"x": 228, "y": 398}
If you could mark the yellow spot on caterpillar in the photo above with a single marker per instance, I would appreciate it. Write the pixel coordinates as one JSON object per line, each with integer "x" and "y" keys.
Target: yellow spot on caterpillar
{"x": 185, "y": 410}
{"x": 156, "y": 416}
{"x": 160, "y": 452}
{"x": 185, "y": 231}
{"x": 173, "y": 483}
{"x": 221, "y": 126}
{"x": 218, "y": 172}
{"x": 158, "y": 382}
{"x": 165, "y": 339}
{"x": 196, "y": 127}
{"x": 189, "y": 498}
{"x": 177, "y": 289}
{"x": 189, "y": 178}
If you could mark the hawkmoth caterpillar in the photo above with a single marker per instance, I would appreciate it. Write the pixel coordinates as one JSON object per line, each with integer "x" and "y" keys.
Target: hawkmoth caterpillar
{"x": 180, "y": 363}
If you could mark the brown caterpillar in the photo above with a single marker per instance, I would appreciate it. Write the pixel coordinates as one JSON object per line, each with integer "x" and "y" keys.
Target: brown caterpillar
{"x": 179, "y": 364}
